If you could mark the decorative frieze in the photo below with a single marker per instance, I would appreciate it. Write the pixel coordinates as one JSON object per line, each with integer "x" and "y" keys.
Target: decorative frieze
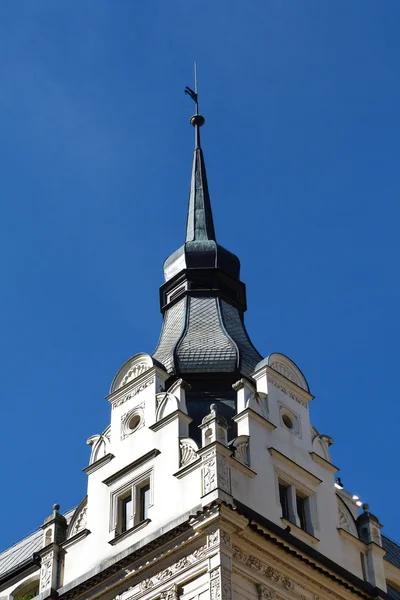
{"x": 289, "y": 393}
{"x": 46, "y": 571}
{"x": 216, "y": 473}
{"x": 256, "y": 564}
{"x": 220, "y": 584}
{"x": 287, "y": 372}
{"x": 163, "y": 576}
{"x": 134, "y": 392}
{"x": 170, "y": 594}
{"x": 265, "y": 593}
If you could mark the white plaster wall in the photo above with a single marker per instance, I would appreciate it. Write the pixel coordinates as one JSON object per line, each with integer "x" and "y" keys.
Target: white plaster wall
{"x": 173, "y": 497}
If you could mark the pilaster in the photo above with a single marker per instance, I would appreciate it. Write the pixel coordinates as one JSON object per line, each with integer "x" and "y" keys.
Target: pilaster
{"x": 215, "y": 473}
{"x": 54, "y": 533}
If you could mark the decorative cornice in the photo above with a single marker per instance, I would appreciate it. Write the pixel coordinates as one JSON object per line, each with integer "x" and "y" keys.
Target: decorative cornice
{"x": 134, "y": 387}
{"x": 121, "y": 536}
{"x": 308, "y": 555}
{"x": 324, "y": 463}
{"x": 98, "y": 464}
{"x": 132, "y": 466}
{"x": 123, "y": 563}
{"x": 188, "y": 469}
{"x": 75, "y": 538}
{"x": 236, "y": 464}
{"x": 351, "y": 538}
{"x": 308, "y": 537}
{"x": 290, "y": 463}
{"x": 285, "y": 385}
{"x": 250, "y": 413}
{"x": 169, "y": 418}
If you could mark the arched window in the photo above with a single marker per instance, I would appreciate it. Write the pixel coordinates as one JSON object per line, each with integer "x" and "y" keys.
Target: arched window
{"x": 27, "y": 590}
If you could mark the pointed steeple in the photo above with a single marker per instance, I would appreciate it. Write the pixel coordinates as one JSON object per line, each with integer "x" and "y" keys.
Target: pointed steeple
{"x": 200, "y": 250}
{"x": 200, "y": 223}
{"x": 203, "y": 299}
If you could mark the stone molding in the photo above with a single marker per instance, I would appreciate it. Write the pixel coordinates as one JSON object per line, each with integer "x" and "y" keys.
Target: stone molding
{"x": 131, "y": 370}
{"x": 132, "y": 393}
{"x": 262, "y": 568}
{"x": 289, "y": 372}
{"x": 289, "y": 463}
{"x": 324, "y": 463}
{"x": 98, "y": 464}
{"x": 286, "y": 390}
{"x": 164, "y": 576}
{"x": 132, "y": 466}
{"x": 136, "y": 411}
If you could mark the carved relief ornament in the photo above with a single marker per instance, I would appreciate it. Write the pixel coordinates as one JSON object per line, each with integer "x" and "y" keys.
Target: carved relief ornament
{"x": 216, "y": 473}
{"x": 289, "y": 393}
{"x": 164, "y": 575}
{"x": 132, "y": 393}
{"x": 255, "y": 563}
{"x": 220, "y": 584}
{"x": 46, "y": 571}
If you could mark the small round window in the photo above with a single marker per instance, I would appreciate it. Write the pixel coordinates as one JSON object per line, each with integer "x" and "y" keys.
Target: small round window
{"x": 287, "y": 421}
{"x": 134, "y": 422}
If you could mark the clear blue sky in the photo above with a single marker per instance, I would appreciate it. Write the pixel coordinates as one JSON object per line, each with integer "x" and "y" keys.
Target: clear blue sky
{"x": 302, "y": 101}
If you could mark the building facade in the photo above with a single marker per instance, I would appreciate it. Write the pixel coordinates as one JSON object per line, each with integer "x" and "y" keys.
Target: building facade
{"x": 210, "y": 482}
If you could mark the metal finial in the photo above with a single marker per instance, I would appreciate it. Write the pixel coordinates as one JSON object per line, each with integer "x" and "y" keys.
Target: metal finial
{"x": 197, "y": 120}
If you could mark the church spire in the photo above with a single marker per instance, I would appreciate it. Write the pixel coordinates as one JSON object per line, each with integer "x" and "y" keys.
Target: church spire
{"x": 200, "y": 249}
{"x": 203, "y": 299}
{"x": 200, "y": 224}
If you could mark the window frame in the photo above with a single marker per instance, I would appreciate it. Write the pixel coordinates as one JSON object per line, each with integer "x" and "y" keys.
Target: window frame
{"x": 293, "y": 495}
{"x": 119, "y": 523}
{"x": 284, "y": 501}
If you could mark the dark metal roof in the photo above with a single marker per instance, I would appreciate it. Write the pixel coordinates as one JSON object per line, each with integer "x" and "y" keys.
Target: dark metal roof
{"x": 23, "y": 550}
{"x": 392, "y": 551}
{"x": 200, "y": 249}
{"x": 393, "y": 593}
{"x": 205, "y": 335}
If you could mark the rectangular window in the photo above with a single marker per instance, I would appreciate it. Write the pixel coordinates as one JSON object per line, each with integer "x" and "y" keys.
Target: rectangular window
{"x": 126, "y": 511}
{"x": 283, "y": 497}
{"x": 130, "y": 505}
{"x": 144, "y": 501}
{"x": 301, "y": 512}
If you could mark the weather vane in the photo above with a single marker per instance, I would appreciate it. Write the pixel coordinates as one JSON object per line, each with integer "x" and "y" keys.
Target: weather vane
{"x": 197, "y": 120}
{"x": 194, "y": 93}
